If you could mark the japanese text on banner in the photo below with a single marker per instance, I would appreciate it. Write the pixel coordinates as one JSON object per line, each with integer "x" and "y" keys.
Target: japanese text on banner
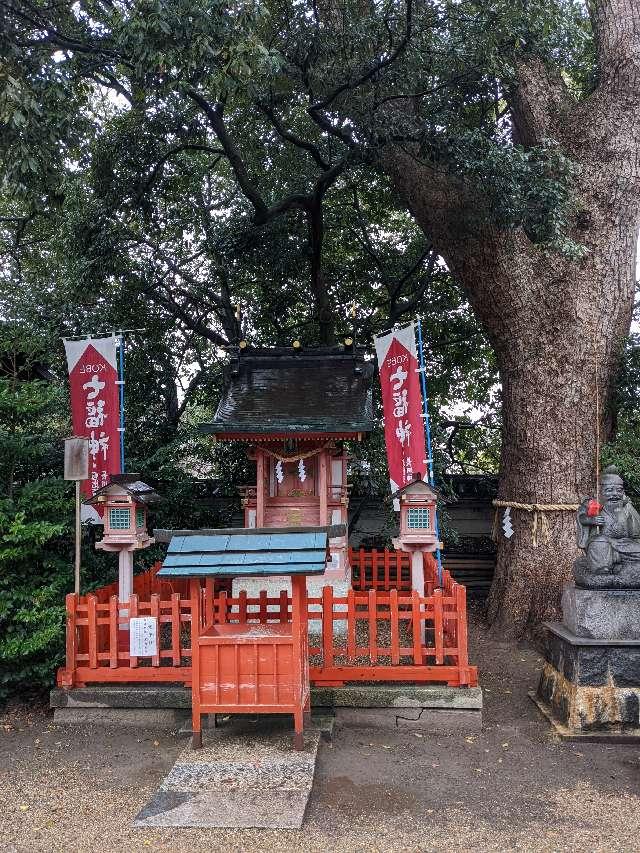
{"x": 402, "y": 406}
{"x": 95, "y": 406}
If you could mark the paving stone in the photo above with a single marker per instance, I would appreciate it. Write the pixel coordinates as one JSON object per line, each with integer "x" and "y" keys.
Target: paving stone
{"x": 246, "y": 775}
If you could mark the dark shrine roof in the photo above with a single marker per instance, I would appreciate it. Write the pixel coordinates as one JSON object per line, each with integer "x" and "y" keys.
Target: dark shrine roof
{"x": 281, "y": 390}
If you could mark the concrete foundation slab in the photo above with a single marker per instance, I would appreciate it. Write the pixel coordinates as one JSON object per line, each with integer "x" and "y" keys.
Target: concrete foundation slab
{"x": 247, "y": 775}
{"x": 152, "y": 718}
{"x": 423, "y": 706}
{"x": 426, "y": 720}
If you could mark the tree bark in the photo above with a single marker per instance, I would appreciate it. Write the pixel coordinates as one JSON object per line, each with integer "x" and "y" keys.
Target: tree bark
{"x": 557, "y": 325}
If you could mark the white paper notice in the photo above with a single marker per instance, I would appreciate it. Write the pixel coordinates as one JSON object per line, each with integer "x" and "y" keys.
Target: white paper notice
{"x": 143, "y": 636}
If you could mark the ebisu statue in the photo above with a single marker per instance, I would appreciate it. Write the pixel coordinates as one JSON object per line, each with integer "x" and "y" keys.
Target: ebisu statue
{"x": 609, "y": 534}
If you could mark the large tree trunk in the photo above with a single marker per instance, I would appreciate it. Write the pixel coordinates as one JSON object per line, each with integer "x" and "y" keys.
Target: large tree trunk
{"x": 557, "y": 325}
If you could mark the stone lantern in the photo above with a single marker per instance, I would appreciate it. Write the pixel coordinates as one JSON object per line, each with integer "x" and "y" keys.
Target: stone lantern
{"x": 418, "y": 532}
{"x": 123, "y": 505}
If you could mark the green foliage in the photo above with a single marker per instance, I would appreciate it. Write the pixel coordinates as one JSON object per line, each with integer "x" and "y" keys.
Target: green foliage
{"x": 36, "y": 567}
{"x": 623, "y": 450}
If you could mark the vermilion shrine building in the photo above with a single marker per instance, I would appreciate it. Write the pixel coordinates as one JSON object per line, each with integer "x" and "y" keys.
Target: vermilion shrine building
{"x": 373, "y": 615}
{"x": 294, "y": 409}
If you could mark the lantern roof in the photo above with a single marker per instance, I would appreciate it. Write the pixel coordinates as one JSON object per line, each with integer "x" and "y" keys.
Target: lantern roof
{"x": 129, "y": 484}
{"x": 324, "y": 391}
{"x": 418, "y": 487}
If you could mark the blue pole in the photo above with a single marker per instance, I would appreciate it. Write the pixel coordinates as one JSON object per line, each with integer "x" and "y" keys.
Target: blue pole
{"x": 427, "y": 429}
{"x": 121, "y": 387}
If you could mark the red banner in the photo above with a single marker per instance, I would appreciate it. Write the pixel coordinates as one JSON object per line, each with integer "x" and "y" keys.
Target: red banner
{"x": 95, "y": 407}
{"x": 402, "y": 405}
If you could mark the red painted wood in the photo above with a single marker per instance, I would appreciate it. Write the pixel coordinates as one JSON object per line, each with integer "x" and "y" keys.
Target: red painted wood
{"x": 91, "y": 620}
{"x": 92, "y": 655}
{"x": 373, "y": 625}
{"x": 351, "y": 625}
{"x": 175, "y": 629}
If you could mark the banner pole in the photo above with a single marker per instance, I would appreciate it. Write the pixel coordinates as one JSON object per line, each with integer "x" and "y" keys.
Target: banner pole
{"x": 121, "y": 395}
{"x": 427, "y": 427}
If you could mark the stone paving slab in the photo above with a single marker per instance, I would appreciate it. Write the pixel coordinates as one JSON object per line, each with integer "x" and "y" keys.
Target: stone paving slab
{"x": 247, "y": 775}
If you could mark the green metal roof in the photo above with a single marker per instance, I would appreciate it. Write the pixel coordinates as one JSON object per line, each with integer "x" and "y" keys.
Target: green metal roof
{"x": 244, "y": 552}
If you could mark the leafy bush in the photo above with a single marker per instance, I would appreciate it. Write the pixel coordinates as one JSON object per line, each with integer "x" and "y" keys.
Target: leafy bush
{"x": 36, "y": 571}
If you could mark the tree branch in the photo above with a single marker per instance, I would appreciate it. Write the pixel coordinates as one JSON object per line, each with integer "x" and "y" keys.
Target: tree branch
{"x": 214, "y": 115}
{"x": 617, "y": 26}
{"x": 288, "y": 136}
{"x": 539, "y": 103}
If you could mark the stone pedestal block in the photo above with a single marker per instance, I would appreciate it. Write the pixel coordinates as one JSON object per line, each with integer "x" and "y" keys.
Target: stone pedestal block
{"x": 590, "y": 686}
{"x": 602, "y": 614}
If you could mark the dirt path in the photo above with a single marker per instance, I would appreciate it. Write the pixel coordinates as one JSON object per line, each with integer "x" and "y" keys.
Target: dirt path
{"x": 513, "y": 787}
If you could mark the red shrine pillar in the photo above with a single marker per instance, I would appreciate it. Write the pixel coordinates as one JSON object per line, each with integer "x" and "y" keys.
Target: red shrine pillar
{"x": 260, "y": 464}
{"x": 323, "y": 488}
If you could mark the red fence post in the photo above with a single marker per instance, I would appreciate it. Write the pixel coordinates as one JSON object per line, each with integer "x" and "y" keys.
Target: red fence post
{"x": 155, "y": 613}
{"x": 175, "y": 628}
{"x": 284, "y": 606}
{"x": 263, "y": 606}
{"x": 222, "y": 607}
{"x": 208, "y": 601}
{"x": 327, "y": 626}
{"x": 133, "y": 613}
{"x": 416, "y": 627}
{"x": 395, "y": 625}
{"x": 373, "y": 625}
{"x": 71, "y": 602}
{"x": 351, "y": 625}
{"x": 438, "y": 625}
{"x": 92, "y": 629}
{"x": 461, "y": 633}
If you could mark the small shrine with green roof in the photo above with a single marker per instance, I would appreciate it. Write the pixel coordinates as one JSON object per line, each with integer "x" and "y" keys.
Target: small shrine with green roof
{"x": 294, "y": 408}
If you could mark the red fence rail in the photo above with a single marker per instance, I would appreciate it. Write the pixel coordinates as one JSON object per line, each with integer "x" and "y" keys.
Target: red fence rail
{"x": 371, "y": 635}
{"x": 380, "y": 569}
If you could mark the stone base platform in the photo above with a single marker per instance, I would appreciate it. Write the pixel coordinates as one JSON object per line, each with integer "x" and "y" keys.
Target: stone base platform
{"x": 426, "y": 708}
{"x": 602, "y": 614}
{"x": 590, "y": 687}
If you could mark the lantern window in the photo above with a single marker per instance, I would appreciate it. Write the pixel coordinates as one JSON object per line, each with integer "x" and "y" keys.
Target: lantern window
{"x": 419, "y": 518}
{"x": 119, "y": 519}
{"x": 139, "y": 517}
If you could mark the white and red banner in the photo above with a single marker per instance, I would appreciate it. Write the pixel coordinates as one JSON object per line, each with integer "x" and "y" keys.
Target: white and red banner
{"x": 402, "y": 405}
{"x": 95, "y": 409}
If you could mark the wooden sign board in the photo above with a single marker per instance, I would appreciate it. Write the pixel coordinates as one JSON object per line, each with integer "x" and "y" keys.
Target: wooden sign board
{"x": 76, "y": 458}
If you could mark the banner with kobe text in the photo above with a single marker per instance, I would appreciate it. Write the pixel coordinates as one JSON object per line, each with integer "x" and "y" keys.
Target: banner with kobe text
{"x": 95, "y": 409}
{"x": 402, "y": 406}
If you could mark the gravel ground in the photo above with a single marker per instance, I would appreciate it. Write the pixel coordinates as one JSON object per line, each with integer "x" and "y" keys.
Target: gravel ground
{"x": 512, "y": 787}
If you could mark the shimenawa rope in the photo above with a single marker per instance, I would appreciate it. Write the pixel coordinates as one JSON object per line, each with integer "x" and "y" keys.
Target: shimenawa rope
{"x": 539, "y": 517}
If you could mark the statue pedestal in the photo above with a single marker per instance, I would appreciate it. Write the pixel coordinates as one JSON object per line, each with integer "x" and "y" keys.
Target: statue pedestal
{"x": 590, "y": 688}
{"x": 602, "y": 614}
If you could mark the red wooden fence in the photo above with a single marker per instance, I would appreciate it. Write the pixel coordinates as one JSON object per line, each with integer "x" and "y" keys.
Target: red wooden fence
{"x": 383, "y": 570}
{"x": 388, "y": 635}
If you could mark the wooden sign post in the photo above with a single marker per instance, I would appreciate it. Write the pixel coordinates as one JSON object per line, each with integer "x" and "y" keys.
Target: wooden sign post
{"x": 76, "y": 467}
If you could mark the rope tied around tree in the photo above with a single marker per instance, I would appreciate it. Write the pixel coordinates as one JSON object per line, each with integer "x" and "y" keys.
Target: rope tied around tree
{"x": 540, "y": 525}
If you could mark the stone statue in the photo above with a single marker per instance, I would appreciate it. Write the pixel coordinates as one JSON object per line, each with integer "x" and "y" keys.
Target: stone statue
{"x": 610, "y": 539}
